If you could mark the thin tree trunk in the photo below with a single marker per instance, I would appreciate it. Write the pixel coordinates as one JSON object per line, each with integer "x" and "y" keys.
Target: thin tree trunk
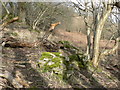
{"x": 7, "y": 11}
{"x": 5, "y": 7}
{"x": 118, "y": 52}
{"x": 38, "y": 18}
{"x": 88, "y": 52}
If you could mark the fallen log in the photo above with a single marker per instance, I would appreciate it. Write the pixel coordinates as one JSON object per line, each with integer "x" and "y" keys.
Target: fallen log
{"x": 18, "y": 44}
{"x": 15, "y": 43}
{"x": 9, "y": 21}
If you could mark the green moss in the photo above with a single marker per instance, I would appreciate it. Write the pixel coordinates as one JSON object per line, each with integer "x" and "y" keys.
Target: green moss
{"x": 14, "y": 34}
{"x": 33, "y": 88}
{"x": 99, "y": 69}
{"x": 51, "y": 61}
{"x": 33, "y": 30}
{"x": 73, "y": 57}
{"x": 62, "y": 66}
{"x": 92, "y": 68}
{"x": 78, "y": 60}
{"x": 68, "y": 45}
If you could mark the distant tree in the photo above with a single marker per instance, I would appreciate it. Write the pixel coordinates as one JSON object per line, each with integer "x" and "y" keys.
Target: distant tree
{"x": 43, "y": 14}
{"x": 21, "y": 10}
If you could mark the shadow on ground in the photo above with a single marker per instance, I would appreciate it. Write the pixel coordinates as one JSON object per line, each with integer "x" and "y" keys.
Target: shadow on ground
{"x": 31, "y": 75}
{"x": 81, "y": 79}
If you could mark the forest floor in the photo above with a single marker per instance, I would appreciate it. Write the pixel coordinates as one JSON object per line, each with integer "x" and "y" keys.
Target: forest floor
{"x": 21, "y": 63}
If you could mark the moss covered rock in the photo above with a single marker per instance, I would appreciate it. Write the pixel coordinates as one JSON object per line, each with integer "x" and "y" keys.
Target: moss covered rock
{"x": 62, "y": 63}
{"x": 51, "y": 62}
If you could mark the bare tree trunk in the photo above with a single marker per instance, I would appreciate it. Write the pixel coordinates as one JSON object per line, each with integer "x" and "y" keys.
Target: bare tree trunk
{"x": 88, "y": 30}
{"x": 21, "y": 11}
{"x": 98, "y": 31}
{"x": 95, "y": 21}
{"x": 88, "y": 52}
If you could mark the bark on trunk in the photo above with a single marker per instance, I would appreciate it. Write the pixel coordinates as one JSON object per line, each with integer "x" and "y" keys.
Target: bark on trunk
{"x": 88, "y": 52}
{"x": 21, "y": 11}
{"x": 98, "y": 31}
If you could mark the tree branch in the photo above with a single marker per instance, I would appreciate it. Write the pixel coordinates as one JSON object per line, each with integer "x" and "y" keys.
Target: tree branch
{"x": 111, "y": 51}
